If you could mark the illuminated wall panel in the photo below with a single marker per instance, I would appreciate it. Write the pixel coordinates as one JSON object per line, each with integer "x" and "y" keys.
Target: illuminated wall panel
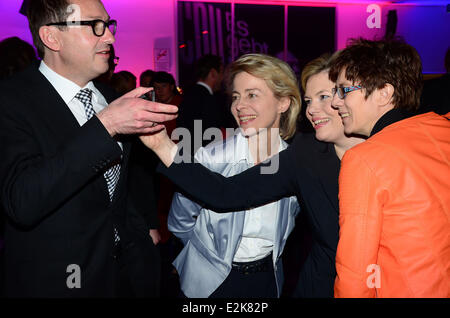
{"x": 311, "y": 32}
{"x": 259, "y": 29}
{"x": 203, "y": 28}
{"x": 427, "y": 28}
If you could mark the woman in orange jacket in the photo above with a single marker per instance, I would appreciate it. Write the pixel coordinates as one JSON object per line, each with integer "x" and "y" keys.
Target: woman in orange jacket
{"x": 394, "y": 189}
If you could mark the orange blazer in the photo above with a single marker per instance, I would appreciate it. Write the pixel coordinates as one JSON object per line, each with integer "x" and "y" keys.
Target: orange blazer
{"x": 394, "y": 200}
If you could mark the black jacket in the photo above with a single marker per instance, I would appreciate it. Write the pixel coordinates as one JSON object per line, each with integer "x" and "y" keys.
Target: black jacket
{"x": 55, "y": 196}
{"x": 436, "y": 95}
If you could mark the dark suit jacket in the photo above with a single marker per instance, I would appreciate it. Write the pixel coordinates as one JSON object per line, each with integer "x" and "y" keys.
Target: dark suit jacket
{"x": 308, "y": 169}
{"x": 436, "y": 95}
{"x": 143, "y": 193}
{"x": 55, "y": 196}
{"x": 199, "y": 104}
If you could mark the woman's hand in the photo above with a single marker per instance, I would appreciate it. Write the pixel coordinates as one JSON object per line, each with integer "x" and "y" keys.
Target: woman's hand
{"x": 156, "y": 237}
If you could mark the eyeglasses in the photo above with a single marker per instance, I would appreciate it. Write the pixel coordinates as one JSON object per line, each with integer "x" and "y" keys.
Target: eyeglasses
{"x": 98, "y": 26}
{"x": 343, "y": 91}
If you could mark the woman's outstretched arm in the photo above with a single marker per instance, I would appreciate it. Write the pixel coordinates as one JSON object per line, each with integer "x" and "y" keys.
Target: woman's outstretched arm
{"x": 264, "y": 183}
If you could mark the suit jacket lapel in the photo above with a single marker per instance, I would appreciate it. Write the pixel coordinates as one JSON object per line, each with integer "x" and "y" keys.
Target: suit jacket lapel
{"x": 54, "y": 111}
{"x": 59, "y": 119}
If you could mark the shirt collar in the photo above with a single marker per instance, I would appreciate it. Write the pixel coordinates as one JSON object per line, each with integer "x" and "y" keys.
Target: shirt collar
{"x": 206, "y": 86}
{"x": 65, "y": 87}
{"x": 389, "y": 118}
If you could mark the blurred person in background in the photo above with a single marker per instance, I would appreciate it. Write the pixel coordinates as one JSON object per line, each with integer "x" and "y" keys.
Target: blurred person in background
{"x": 123, "y": 82}
{"x": 146, "y": 77}
{"x": 15, "y": 56}
{"x": 166, "y": 92}
{"x": 436, "y": 92}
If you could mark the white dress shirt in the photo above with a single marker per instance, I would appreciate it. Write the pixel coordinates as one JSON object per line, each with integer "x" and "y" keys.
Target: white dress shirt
{"x": 68, "y": 89}
{"x": 259, "y": 225}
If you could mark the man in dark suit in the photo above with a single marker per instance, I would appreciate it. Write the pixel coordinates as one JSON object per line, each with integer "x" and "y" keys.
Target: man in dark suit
{"x": 201, "y": 108}
{"x": 72, "y": 230}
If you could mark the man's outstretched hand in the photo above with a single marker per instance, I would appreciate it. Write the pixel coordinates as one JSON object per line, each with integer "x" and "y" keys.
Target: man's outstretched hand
{"x": 130, "y": 114}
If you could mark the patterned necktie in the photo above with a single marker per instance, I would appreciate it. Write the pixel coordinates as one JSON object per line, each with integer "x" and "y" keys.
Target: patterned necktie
{"x": 113, "y": 173}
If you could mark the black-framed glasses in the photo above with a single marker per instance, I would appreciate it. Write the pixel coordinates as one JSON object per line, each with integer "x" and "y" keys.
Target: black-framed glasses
{"x": 98, "y": 26}
{"x": 343, "y": 91}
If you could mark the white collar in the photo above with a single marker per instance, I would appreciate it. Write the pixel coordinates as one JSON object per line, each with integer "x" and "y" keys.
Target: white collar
{"x": 65, "y": 87}
{"x": 206, "y": 86}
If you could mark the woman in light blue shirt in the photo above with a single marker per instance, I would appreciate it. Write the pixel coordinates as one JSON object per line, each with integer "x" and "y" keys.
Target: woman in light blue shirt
{"x": 239, "y": 254}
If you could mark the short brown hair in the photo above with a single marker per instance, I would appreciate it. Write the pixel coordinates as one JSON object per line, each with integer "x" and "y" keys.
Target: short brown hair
{"x": 375, "y": 63}
{"x": 41, "y": 12}
{"x": 281, "y": 80}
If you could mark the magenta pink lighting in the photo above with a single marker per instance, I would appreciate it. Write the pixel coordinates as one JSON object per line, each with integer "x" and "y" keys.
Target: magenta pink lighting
{"x": 12, "y": 23}
{"x": 143, "y": 25}
{"x": 352, "y": 22}
{"x": 146, "y": 29}
{"x": 146, "y": 37}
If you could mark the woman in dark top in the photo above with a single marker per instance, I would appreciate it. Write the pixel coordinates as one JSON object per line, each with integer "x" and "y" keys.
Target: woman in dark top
{"x": 309, "y": 169}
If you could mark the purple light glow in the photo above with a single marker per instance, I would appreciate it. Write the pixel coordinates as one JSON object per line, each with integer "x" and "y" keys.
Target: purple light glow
{"x": 142, "y": 26}
{"x": 318, "y": 3}
{"x": 352, "y": 23}
{"x": 428, "y": 30}
{"x": 149, "y": 26}
{"x": 12, "y": 23}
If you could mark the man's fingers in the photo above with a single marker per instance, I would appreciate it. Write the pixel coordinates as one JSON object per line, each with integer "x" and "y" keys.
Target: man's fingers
{"x": 152, "y": 130}
{"x": 159, "y": 108}
{"x": 138, "y": 92}
{"x": 151, "y": 117}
